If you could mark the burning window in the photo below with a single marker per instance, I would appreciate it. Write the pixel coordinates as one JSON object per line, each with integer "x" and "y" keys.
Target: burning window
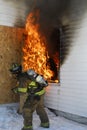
{"x": 35, "y": 52}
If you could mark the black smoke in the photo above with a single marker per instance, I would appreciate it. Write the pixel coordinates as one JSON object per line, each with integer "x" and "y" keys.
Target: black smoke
{"x": 58, "y": 22}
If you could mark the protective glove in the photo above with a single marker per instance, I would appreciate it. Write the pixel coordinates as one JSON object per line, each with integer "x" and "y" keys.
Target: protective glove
{"x": 15, "y": 90}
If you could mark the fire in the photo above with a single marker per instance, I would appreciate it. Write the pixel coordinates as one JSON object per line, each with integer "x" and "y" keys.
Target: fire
{"x": 35, "y": 54}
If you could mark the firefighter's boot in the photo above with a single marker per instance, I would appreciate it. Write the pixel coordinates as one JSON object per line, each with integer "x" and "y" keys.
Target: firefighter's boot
{"x": 45, "y": 125}
{"x": 27, "y": 128}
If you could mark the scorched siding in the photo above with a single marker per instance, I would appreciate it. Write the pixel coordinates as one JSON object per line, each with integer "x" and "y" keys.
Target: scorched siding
{"x": 72, "y": 92}
{"x": 73, "y": 89}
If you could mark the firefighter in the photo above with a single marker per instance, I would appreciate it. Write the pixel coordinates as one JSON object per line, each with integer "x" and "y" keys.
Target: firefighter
{"x": 22, "y": 79}
{"x": 34, "y": 90}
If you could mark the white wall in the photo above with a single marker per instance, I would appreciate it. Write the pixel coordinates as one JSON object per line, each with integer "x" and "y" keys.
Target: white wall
{"x": 51, "y": 96}
{"x": 72, "y": 92}
{"x": 13, "y": 12}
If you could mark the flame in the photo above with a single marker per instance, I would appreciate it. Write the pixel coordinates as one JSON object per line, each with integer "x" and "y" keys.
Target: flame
{"x": 35, "y": 54}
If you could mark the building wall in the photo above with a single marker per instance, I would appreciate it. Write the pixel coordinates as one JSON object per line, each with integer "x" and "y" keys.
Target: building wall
{"x": 12, "y": 17}
{"x": 13, "y": 12}
{"x": 72, "y": 92}
{"x": 51, "y": 96}
{"x": 70, "y": 96}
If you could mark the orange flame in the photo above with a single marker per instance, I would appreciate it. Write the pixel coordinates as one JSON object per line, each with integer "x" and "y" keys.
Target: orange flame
{"x": 34, "y": 51}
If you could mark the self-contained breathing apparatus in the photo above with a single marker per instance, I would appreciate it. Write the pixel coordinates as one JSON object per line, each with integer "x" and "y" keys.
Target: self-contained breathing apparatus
{"x": 35, "y": 88}
{"x": 37, "y": 77}
{"x": 38, "y": 82}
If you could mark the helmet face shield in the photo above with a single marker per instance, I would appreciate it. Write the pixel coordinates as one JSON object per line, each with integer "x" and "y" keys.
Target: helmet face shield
{"x": 15, "y": 68}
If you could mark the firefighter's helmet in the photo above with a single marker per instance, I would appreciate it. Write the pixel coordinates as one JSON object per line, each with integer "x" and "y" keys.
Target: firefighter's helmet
{"x": 16, "y": 68}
